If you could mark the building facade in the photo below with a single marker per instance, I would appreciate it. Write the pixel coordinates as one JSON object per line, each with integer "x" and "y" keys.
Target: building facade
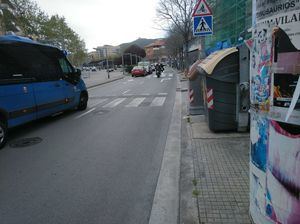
{"x": 232, "y": 20}
{"x": 112, "y": 51}
{"x": 156, "y": 51}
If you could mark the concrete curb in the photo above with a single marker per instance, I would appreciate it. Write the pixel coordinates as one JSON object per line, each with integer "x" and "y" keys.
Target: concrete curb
{"x": 165, "y": 208}
{"x": 188, "y": 202}
{"x": 105, "y": 82}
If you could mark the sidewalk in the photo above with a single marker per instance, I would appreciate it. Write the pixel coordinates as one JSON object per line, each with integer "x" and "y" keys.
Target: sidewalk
{"x": 214, "y": 174}
{"x": 92, "y": 79}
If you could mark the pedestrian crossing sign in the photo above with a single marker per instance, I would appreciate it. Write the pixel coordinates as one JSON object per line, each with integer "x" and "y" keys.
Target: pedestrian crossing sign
{"x": 203, "y": 25}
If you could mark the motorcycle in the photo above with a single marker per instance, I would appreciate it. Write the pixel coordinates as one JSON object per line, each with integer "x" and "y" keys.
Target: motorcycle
{"x": 158, "y": 73}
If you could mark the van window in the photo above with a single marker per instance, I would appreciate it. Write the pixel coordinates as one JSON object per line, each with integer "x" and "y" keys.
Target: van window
{"x": 65, "y": 66}
{"x": 28, "y": 63}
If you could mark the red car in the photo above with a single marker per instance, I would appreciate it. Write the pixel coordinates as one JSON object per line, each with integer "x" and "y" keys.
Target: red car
{"x": 138, "y": 71}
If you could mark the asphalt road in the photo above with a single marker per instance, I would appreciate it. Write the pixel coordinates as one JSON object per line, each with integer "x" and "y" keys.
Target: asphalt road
{"x": 99, "y": 166}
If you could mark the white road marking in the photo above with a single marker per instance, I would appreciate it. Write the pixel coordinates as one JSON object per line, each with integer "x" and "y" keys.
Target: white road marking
{"x": 126, "y": 91}
{"x": 158, "y": 101}
{"x": 114, "y": 103}
{"x": 165, "y": 79}
{"x": 136, "y": 102}
{"x": 89, "y": 111}
{"x": 163, "y": 94}
{"x": 163, "y": 75}
{"x": 98, "y": 102}
{"x": 130, "y": 80}
{"x": 128, "y": 94}
{"x": 170, "y": 75}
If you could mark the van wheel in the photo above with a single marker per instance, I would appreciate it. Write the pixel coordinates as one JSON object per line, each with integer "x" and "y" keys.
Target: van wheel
{"x": 83, "y": 101}
{"x": 3, "y": 134}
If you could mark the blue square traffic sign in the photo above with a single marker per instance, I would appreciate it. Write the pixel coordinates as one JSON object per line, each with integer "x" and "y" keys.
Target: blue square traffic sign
{"x": 203, "y": 25}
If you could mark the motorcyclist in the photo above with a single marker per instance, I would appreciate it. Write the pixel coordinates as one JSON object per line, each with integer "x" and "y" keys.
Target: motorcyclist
{"x": 159, "y": 68}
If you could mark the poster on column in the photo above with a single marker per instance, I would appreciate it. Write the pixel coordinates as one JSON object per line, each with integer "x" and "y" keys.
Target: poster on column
{"x": 275, "y": 143}
{"x": 282, "y": 13}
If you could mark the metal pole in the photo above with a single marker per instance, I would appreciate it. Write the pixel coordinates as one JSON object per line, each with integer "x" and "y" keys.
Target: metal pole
{"x": 130, "y": 58}
{"x": 123, "y": 63}
{"x": 136, "y": 59}
{"x": 107, "y": 64}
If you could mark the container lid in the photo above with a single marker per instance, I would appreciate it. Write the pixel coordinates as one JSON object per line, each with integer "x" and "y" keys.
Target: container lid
{"x": 209, "y": 63}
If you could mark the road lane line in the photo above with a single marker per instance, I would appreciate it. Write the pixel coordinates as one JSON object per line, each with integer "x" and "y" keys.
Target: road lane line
{"x": 136, "y": 102}
{"x": 80, "y": 116}
{"x": 99, "y": 102}
{"x": 158, "y": 101}
{"x": 114, "y": 103}
{"x": 126, "y": 91}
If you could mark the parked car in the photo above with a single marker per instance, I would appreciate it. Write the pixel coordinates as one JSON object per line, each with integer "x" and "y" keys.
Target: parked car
{"x": 138, "y": 71}
{"x": 36, "y": 81}
{"x": 146, "y": 65}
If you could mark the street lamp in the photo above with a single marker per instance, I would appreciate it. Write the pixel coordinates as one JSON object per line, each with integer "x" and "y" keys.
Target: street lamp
{"x": 107, "y": 63}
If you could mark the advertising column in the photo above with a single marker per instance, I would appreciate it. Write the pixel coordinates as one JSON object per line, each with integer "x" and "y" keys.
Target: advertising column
{"x": 275, "y": 112}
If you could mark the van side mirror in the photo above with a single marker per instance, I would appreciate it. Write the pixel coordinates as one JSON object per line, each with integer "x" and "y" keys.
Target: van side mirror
{"x": 78, "y": 72}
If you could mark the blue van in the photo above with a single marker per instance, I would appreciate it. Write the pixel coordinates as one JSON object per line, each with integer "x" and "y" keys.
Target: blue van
{"x": 36, "y": 81}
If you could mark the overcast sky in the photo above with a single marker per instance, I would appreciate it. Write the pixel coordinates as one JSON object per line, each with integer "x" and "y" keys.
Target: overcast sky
{"x": 101, "y": 22}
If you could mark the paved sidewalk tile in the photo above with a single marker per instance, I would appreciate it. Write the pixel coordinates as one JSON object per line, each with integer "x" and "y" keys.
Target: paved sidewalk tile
{"x": 222, "y": 175}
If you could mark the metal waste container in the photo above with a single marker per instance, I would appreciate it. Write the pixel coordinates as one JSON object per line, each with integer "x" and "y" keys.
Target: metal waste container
{"x": 196, "y": 94}
{"x": 226, "y": 89}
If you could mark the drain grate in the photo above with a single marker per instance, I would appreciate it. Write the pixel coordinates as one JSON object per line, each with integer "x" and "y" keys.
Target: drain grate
{"x": 25, "y": 142}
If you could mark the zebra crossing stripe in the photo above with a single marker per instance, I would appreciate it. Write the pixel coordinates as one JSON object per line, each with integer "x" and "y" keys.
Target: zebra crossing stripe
{"x": 158, "y": 101}
{"x": 98, "y": 102}
{"x": 136, "y": 102}
{"x": 114, "y": 103}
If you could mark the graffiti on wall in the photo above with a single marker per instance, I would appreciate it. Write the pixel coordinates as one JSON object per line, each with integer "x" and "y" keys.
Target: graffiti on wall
{"x": 260, "y": 47}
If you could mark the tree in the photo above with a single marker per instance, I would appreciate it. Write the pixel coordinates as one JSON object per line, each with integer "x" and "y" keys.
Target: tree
{"x": 7, "y": 18}
{"x": 52, "y": 30}
{"x": 174, "y": 45}
{"x": 177, "y": 14}
{"x": 30, "y": 17}
{"x": 57, "y": 32}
